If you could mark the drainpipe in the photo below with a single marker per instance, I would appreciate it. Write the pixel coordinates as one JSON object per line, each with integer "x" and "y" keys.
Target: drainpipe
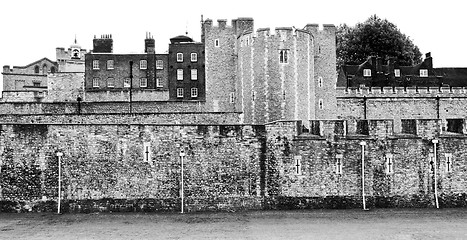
{"x": 131, "y": 85}
{"x": 437, "y": 107}
{"x": 435, "y": 141}
{"x": 182, "y": 156}
{"x": 363, "y": 144}
{"x": 59, "y": 155}
{"x": 364, "y": 107}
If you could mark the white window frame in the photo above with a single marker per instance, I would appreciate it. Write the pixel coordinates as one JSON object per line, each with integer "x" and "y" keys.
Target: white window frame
{"x": 179, "y": 74}
{"x": 143, "y": 82}
{"x": 284, "y": 56}
{"x": 95, "y": 82}
{"x": 95, "y": 64}
{"x": 159, "y": 82}
{"x": 126, "y": 83}
{"x": 194, "y": 74}
{"x": 110, "y": 64}
{"x": 338, "y": 165}
{"x": 143, "y": 64}
{"x": 110, "y": 82}
{"x": 194, "y": 92}
{"x": 179, "y": 92}
{"x": 179, "y": 57}
{"x": 397, "y": 72}
{"x": 389, "y": 163}
{"x": 159, "y": 64}
{"x": 216, "y": 43}
{"x": 367, "y": 72}
{"x": 194, "y": 57}
{"x": 423, "y": 72}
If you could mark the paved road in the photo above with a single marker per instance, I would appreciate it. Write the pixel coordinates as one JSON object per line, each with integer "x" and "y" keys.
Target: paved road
{"x": 309, "y": 224}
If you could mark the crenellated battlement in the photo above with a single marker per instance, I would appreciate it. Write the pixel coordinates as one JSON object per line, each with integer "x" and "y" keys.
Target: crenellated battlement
{"x": 402, "y": 92}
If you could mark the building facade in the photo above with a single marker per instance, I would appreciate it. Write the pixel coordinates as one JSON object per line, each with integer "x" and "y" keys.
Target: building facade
{"x": 32, "y": 77}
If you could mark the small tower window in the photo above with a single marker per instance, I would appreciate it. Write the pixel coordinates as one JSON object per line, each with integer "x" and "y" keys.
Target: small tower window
{"x": 194, "y": 92}
{"x": 320, "y": 103}
{"x": 143, "y": 64}
{"x": 423, "y": 72}
{"x": 95, "y": 64}
{"x": 95, "y": 82}
{"x": 146, "y": 151}
{"x": 179, "y": 92}
{"x": 320, "y": 82}
{"x": 179, "y": 57}
{"x": 36, "y": 69}
{"x": 216, "y": 43}
{"x": 367, "y": 72}
{"x": 283, "y": 56}
{"x": 194, "y": 74}
{"x": 159, "y": 64}
{"x": 110, "y": 82}
{"x": 448, "y": 161}
{"x": 397, "y": 72}
{"x": 232, "y": 97}
{"x": 194, "y": 57}
{"x": 75, "y": 53}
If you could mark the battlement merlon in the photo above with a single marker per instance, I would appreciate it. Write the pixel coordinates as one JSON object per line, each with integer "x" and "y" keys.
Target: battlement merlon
{"x": 239, "y": 25}
{"x": 315, "y": 29}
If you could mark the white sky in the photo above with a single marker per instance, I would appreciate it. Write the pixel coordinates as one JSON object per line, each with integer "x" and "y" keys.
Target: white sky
{"x": 32, "y": 29}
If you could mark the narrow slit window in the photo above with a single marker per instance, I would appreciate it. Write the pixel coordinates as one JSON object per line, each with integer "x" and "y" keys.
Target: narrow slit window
{"x": 298, "y": 165}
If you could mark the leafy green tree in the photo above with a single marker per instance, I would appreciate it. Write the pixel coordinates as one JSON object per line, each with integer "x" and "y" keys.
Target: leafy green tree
{"x": 374, "y": 37}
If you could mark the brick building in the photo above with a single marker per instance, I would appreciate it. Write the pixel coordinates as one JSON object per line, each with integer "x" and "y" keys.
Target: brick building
{"x": 373, "y": 73}
{"x": 111, "y": 72}
{"x": 186, "y": 69}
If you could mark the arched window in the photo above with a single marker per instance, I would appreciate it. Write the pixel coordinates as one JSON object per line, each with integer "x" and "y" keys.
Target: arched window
{"x": 52, "y": 69}
{"x": 44, "y": 69}
{"x": 36, "y": 69}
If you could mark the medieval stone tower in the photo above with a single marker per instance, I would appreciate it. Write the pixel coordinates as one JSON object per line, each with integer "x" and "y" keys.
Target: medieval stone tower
{"x": 284, "y": 74}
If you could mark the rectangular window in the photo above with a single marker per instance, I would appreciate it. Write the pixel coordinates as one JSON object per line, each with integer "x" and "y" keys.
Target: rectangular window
{"x": 126, "y": 83}
{"x": 143, "y": 82}
{"x": 389, "y": 163}
{"x": 397, "y": 72}
{"x": 448, "y": 161}
{"x": 194, "y": 57}
{"x": 298, "y": 165}
{"x": 143, "y": 64}
{"x": 423, "y": 72}
{"x": 110, "y": 64}
{"x": 179, "y": 57}
{"x": 338, "y": 164}
{"x": 362, "y": 127}
{"x": 179, "y": 74}
{"x": 283, "y": 56}
{"x": 216, "y": 43}
{"x": 159, "y": 64}
{"x": 158, "y": 82}
{"x": 232, "y": 97}
{"x": 36, "y": 84}
{"x": 180, "y": 92}
{"x": 95, "y": 82}
{"x": 95, "y": 64}
{"x": 367, "y": 72}
{"x": 110, "y": 82}
{"x": 194, "y": 92}
{"x": 409, "y": 126}
{"x": 194, "y": 74}
{"x": 455, "y": 125}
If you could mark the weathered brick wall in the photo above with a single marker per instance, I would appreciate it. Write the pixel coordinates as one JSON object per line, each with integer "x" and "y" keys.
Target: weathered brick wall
{"x": 411, "y": 184}
{"x": 221, "y": 167}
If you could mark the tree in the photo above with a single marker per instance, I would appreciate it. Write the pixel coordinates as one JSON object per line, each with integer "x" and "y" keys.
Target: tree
{"x": 374, "y": 37}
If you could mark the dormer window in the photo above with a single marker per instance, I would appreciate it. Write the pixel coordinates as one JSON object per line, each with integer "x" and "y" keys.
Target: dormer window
{"x": 367, "y": 72}
{"x": 397, "y": 72}
{"x": 423, "y": 72}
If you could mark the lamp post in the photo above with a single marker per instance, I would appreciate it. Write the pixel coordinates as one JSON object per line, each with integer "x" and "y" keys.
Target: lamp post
{"x": 363, "y": 144}
{"x": 59, "y": 155}
{"x": 435, "y": 141}
{"x": 182, "y": 156}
